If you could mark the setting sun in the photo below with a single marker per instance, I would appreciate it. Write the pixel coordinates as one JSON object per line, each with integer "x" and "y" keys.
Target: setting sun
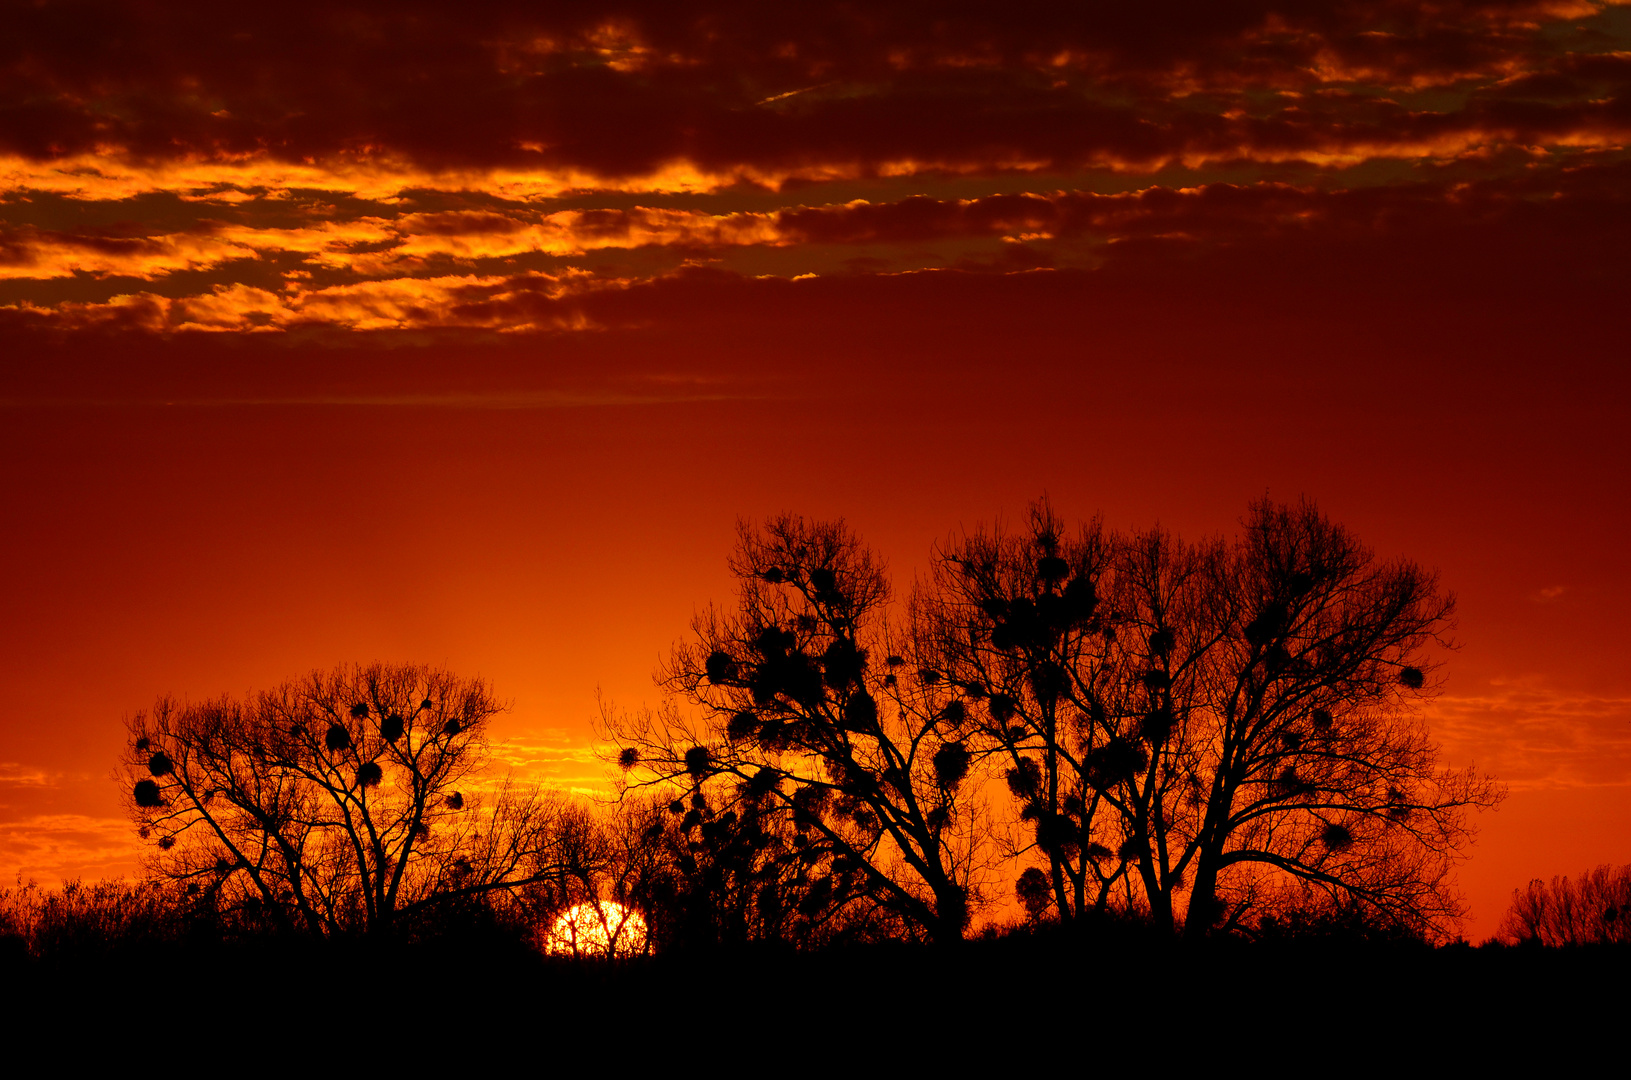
{"x": 604, "y": 929}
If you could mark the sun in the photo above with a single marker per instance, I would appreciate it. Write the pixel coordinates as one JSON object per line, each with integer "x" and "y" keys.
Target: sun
{"x": 597, "y": 929}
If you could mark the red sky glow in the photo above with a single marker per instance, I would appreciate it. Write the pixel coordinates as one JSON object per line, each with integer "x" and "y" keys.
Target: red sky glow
{"x": 356, "y": 331}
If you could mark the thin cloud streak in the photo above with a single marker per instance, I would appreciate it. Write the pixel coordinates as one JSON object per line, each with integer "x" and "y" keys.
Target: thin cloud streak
{"x": 516, "y": 400}
{"x": 1533, "y": 736}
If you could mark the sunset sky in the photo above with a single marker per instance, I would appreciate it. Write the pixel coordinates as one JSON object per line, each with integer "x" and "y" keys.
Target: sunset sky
{"x": 416, "y": 332}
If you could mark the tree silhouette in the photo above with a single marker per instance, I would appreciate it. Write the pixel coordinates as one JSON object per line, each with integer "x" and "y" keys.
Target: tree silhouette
{"x": 1015, "y": 625}
{"x": 1594, "y": 908}
{"x": 1226, "y": 729}
{"x": 805, "y": 715}
{"x": 347, "y": 800}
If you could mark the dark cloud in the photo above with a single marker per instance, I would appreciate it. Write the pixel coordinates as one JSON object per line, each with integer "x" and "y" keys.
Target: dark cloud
{"x": 622, "y": 89}
{"x": 1561, "y": 238}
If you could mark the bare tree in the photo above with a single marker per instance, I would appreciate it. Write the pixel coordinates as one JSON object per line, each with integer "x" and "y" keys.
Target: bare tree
{"x": 1594, "y": 908}
{"x": 803, "y": 711}
{"x": 1232, "y": 730}
{"x": 1013, "y": 625}
{"x": 347, "y": 800}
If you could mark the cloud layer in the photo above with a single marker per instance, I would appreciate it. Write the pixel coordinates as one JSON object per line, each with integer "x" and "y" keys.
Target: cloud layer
{"x": 386, "y": 167}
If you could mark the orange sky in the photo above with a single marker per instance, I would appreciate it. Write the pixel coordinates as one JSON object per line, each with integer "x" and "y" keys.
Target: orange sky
{"x": 389, "y": 332}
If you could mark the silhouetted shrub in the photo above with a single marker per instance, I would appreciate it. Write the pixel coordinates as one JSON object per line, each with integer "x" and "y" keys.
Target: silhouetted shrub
{"x": 628, "y": 757}
{"x": 392, "y": 727}
{"x": 743, "y": 725}
{"x": 1056, "y": 834}
{"x": 1049, "y": 681}
{"x": 80, "y": 920}
{"x": 1081, "y": 597}
{"x": 1024, "y": 779}
{"x": 1336, "y": 837}
{"x": 360, "y": 710}
{"x": 1270, "y": 623}
{"x": 861, "y": 712}
{"x": 337, "y": 738}
{"x": 159, "y": 764}
{"x": 1052, "y": 568}
{"x": 369, "y": 774}
{"x": 762, "y": 783}
{"x": 1034, "y": 892}
{"x": 147, "y": 795}
{"x": 1157, "y": 725}
{"x": 720, "y": 667}
{"x": 951, "y": 763}
{"x": 1412, "y": 677}
{"x": 1114, "y": 762}
{"x": 843, "y": 663}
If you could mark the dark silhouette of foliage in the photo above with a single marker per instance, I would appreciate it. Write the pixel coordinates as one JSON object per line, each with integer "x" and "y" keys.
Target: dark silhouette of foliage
{"x": 804, "y": 751}
{"x": 1594, "y": 908}
{"x": 1236, "y": 721}
{"x": 328, "y": 804}
{"x": 80, "y": 919}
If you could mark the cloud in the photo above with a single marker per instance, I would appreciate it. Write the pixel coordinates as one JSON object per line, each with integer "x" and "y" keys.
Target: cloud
{"x": 1530, "y": 735}
{"x": 698, "y": 95}
{"x": 525, "y": 270}
{"x": 557, "y": 758}
{"x": 53, "y": 847}
{"x": 13, "y": 774}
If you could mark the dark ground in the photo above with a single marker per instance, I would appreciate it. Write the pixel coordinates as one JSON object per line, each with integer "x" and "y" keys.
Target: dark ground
{"x": 1011, "y": 1004}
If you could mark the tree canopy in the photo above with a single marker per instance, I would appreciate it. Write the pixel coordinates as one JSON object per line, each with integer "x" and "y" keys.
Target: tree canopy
{"x": 1208, "y": 734}
{"x": 816, "y": 737}
{"x": 347, "y": 800}
{"x": 1216, "y": 729}
{"x": 1199, "y": 732}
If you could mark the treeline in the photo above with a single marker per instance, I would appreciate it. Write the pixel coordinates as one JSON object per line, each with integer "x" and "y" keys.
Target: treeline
{"x": 1062, "y": 726}
{"x": 1591, "y": 909}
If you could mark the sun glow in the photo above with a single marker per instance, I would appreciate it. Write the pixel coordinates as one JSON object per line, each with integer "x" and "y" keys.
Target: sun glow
{"x": 597, "y": 929}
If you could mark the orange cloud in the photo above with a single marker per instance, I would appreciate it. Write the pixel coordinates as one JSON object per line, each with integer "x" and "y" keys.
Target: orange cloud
{"x": 1536, "y": 736}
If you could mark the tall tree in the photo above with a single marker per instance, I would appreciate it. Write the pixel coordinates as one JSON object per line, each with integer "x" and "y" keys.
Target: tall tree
{"x": 1243, "y": 718}
{"x": 1013, "y": 624}
{"x": 347, "y": 800}
{"x": 797, "y": 697}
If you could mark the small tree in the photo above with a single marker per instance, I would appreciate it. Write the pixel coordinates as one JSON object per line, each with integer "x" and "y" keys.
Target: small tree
{"x": 347, "y": 800}
{"x": 805, "y": 713}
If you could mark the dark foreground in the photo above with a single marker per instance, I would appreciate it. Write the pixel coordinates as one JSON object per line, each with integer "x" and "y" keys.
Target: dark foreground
{"x": 485, "y": 1003}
